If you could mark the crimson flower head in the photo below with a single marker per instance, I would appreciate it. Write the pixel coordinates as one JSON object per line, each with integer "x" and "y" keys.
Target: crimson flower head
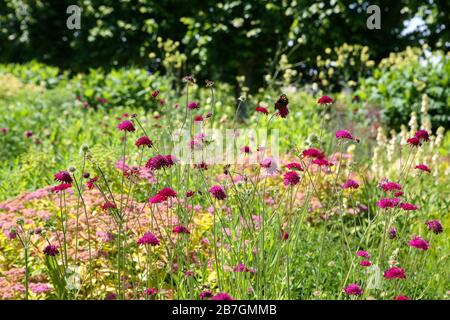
{"x": 325, "y": 100}
{"x": 402, "y": 298}
{"x": 313, "y": 153}
{"x": 262, "y": 110}
{"x": 435, "y": 226}
{"x": 245, "y": 149}
{"x": 282, "y": 102}
{"x": 159, "y": 161}
{"x": 206, "y": 294}
{"x": 126, "y": 125}
{"x": 353, "y": 290}
{"x": 388, "y": 203}
{"x": 408, "y": 206}
{"x": 151, "y": 291}
{"x": 198, "y": 118}
{"x": 61, "y": 187}
{"x": 362, "y": 253}
{"x": 218, "y": 192}
{"x": 167, "y": 192}
{"x": 155, "y": 93}
{"x": 143, "y": 141}
{"x": 283, "y": 112}
{"x": 365, "y": 263}
{"x": 157, "y": 199}
{"x": 321, "y": 162}
{"x": 91, "y": 183}
{"x": 222, "y": 296}
{"x": 193, "y": 105}
{"x": 423, "y": 167}
{"x": 419, "y": 243}
{"x": 294, "y": 166}
{"x": 108, "y": 205}
{"x": 291, "y": 178}
{"x": 63, "y": 176}
{"x": 390, "y": 186}
{"x": 413, "y": 141}
{"x": 180, "y": 229}
{"x": 350, "y": 184}
{"x": 148, "y": 238}
{"x": 284, "y": 235}
{"x": 422, "y": 135}
{"x": 51, "y": 250}
{"x": 394, "y": 273}
{"x": 344, "y": 134}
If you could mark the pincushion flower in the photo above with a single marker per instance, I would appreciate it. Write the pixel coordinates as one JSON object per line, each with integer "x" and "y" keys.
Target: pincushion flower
{"x": 157, "y": 199}
{"x": 353, "y": 289}
{"x": 51, "y": 250}
{"x": 218, "y": 192}
{"x": 159, "y": 161}
{"x": 350, "y": 184}
{"x": 435, "y": 226}
{"x": 155, "y": 93}
{"x": 148, "y": 238}
{"x": 291, "y": 178}
{"x": 388, "y": 203}
{"x": 262, "y": 110}
{"x": 167, "y": 192}
{"x": 401, "y": 298}
{"x": 322, "y": 162}
{"x": 419, "y": 243}
{"x": 126, "y": 125}
{"x": 283, "y": 112}
{"x": 61, "y": 187}
{"x": 413, "y": 141}
{"x": 198, "y": 118}
{"x": 294, "y": 166}
{"x": 151, "y": 291}
{"x": 392, "y": 233}
{"x": 313, "y": 153}
{"x": 325, "y": 100}
{"x": 422, "y": 135}
{"x": 91, "y": 183}
{"x": 282, "y": 102}
{"x": 394, "y": 273}
{"x": 390, "y": 186}
{"x": 108, "y": 205}
{"x": 222, "y": 296}
{"x": 144, "y": 141}
{"x": 344, "y": 134}
{"x": 245, "y": 149}
{"x": 423, "y": 167}
{"x": 63, "y": 176}
{"x": 408, "y": 206}
{"x": 180, "y": 229}
{"x": 363, "y": 253}
{"x": 206, "y": 294}
{"x": 284, "y": 235}
{"x": 193, "y": 105}
{"x": 365, "y": 263}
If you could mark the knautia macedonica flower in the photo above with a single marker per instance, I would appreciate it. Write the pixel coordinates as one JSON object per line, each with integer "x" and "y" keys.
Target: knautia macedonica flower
{"x": 435, "y": 226}
{"x": 291, "y": 178}
{"x": 413, "y": 141}
{"x": 126, "y": 125}
{"x": 408, "y": 206}
{"x": 155, "y": 93}
{"x": 388, "y": 203}
{"x": 284, "y": 235}
{"x": 222, "y": 296}
{"x": 167, "y": 193}
{"x": 282, "y": 102}
{"x": 91, "y": 183}
{"x": 144, "y": 141}
{"x": 350, "y": 184}
{"x": 51, "y": 250}
{"x": 193, "y": 105}
{"x": 148, "y": 238}
{"x": 157, "y": 199}
{"x": 61, "y": 187}
{"x": 180, "y": 229}
{"x": 422, "y": 135}
{"x": 419, "y": 243}
{"x": 423, "y": 167}
{"x": 389, "y": 185}
{"x": 401, "y": 298}
{"x": 240, "y": 268}
{"x": 325, "y": 100}
{"x": 344, "y": 134}
{"x": 206, "y": 294}
{"x": 313, "y": 153}
{"x": 262, "y": 110}
{"x": 283, "y": 112}
{"x": 363, "y": 253}
{"x": 218, "y": 192}
{"x": 108, "y": 205}
{"x": 63, "y": 176}
{"x": 322, "y": 162}
{"x": 365, "y": 263}
{"x": 151, "y": 291}
{"x": 353, "y": 290}
{"x": 245, "y": 149}
{"x": 394, "y": 273}
{"x": 294, "y": 166}
{"x": 159, "y": 161}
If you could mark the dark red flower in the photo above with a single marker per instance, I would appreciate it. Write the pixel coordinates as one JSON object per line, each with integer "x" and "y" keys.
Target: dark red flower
{"x": 294, "y": 166}
{"x": 423, "y": 167}
{"x": 63, "y": 176}
{"x": 61, "y": 187}
{"x": 91, "y": 183}
{"x": 51, "y": 250}
{"x": 282, "y": 102}
{"x": 313, "y": 153}
{"x": 148, "y": 238}
{"x": 291, "y": 178}
{"x": 283, "y": 112}
{"x": 144, "y": 141}
{"x": 325, "y": 100}
{"x": 413, "y": 141}
{"x": 108, "y": 205}
{"x": 422, "y": 135}
{"x": 126, "y": 125}
{"x": 180, "y": 229}
{"x": 193, "y": 105}
{"x": 218, "y": 192}
{"x": 262, "y": 110}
